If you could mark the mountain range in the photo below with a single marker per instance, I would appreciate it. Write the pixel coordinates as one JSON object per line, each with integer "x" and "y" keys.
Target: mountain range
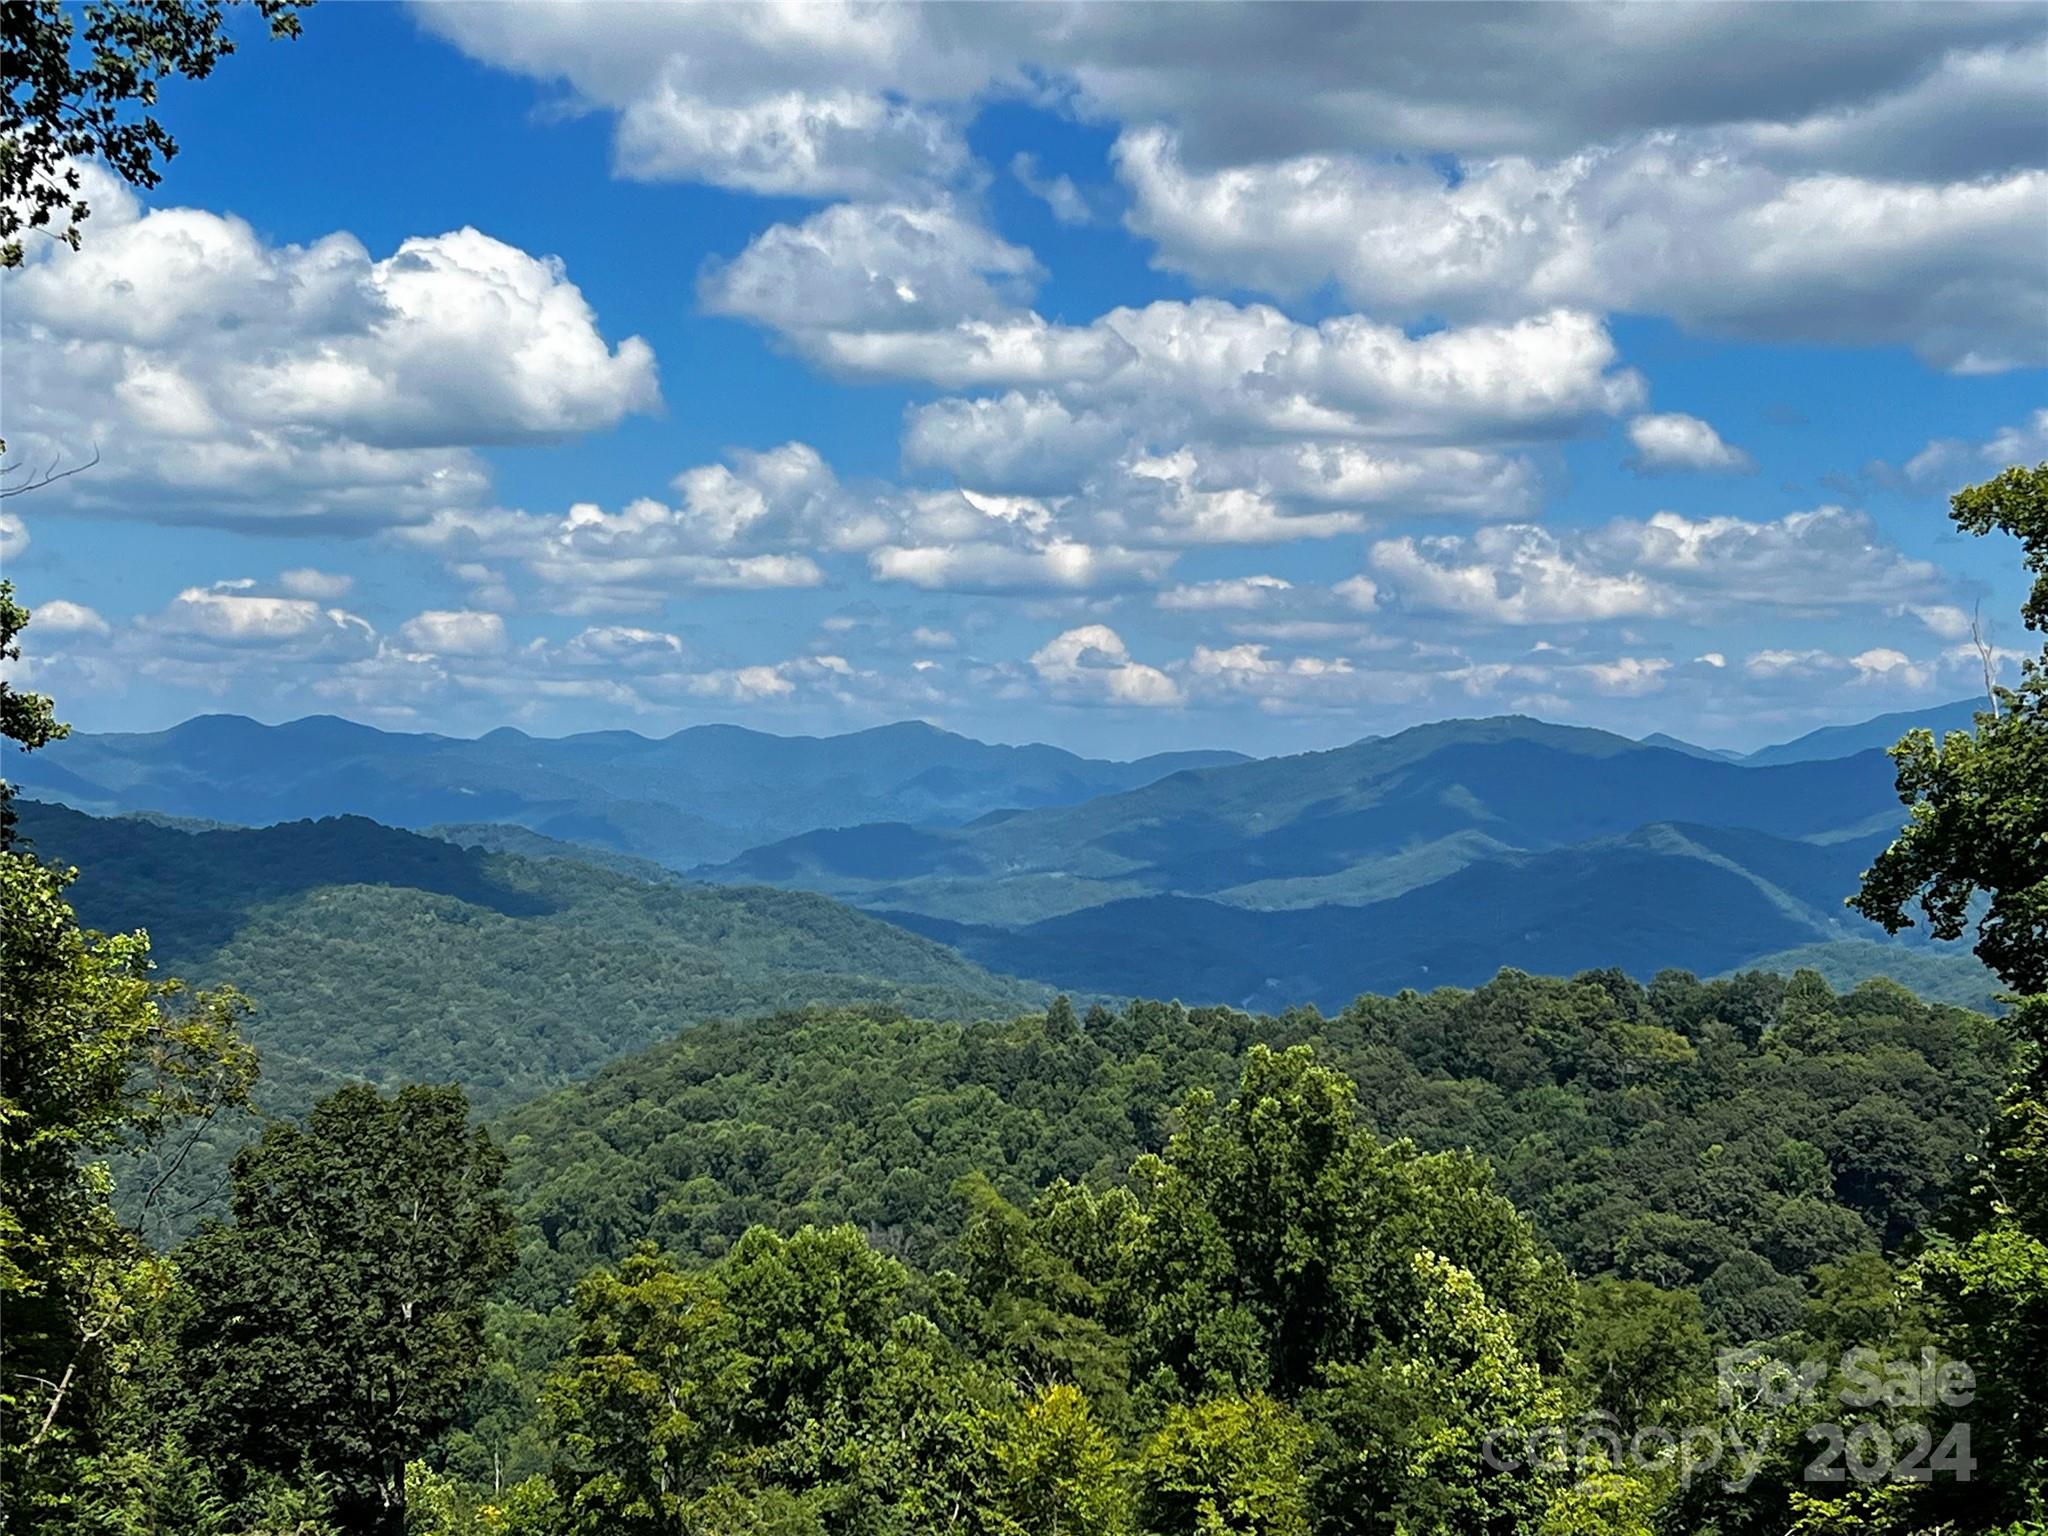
{"x": 1433, "y": 856}
{"x": 1829, "y": 741}
{"x": 1879, "y": 733}
{"x": 700, "y": 795}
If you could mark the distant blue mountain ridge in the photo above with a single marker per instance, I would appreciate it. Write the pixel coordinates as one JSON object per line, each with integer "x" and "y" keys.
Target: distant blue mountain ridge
{"x": 705, "y": 793}
{"x": 1433, "y": 856}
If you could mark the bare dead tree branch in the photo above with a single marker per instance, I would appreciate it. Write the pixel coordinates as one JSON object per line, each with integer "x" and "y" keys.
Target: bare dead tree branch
{"x": 86, "y": 1339}
{"x": 1987, "y": 655}
{"x": 49, "y": 476}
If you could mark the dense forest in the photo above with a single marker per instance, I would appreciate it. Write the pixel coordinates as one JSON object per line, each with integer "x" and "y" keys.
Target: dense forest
{"x": 463, "y": 963}
{"x": 849, "y": 1271}
{"x": 508, "y": 974}
{"x": 1727, "y": 1137}
{"x": 1563, "y": 1256}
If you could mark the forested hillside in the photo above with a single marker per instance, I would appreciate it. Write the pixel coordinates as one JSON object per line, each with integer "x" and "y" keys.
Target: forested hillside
{"x": 1427, "y": 858}
{"x": 1724, "y": 1137}
{"x": 510, "y": 837}
{"x": 1643, "y": 903}
{"x": 373, "y": 954}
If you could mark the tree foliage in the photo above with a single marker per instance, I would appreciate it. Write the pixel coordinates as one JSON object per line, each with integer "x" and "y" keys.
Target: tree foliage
{"x": 337, "y": 1322}
{"x": 28, "y": 720}
{"x": 1977, "y": 837}
{"x": 81, "y": 83}
{"x": 1763, "y": 1120}
{"x": 1250, "y": 1313}
{"x": 96, "y": 1057}
{"x": 1979, "y": 801}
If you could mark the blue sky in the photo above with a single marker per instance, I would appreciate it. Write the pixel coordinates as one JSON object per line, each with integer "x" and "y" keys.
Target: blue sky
{"x": 1128, "y": 378}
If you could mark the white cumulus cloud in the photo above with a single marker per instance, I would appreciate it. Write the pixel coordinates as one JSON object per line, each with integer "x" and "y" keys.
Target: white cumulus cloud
{"x": 454, "y": 632}
{"x": 227, "y": 612}
{"x": 59, "y": 617}
{"x": 226, "y": 379}
{"x": 1512, "y": 574}
{"x": 1236, "y": 592}
{"x": 1818, "y": 561}
{"x": 741, "y": 525}
{"x": 1672, "y": 440}
{"x": 1666, "y": 223}
{"x": 1092, "y": 664}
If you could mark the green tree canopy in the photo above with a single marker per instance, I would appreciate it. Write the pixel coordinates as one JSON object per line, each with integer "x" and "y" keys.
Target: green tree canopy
{"x": 337, "y": 1323}
{"x": 1280, "y": 1233}
{"x": 81, "y": 83}
{"x": 1978, "y": 830}
{"x": 96, "y": 1056}
{"x": 1979, "y": 802}
{"x": 28, "y": 720}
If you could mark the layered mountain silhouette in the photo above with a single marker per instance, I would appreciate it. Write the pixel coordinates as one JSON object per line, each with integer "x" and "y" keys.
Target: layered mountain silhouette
{"x": 1389, "y": 811}
{"x": 702, "y": 794}
{"x": 1840, "y": 740}
{"x": 1433, "y": 856}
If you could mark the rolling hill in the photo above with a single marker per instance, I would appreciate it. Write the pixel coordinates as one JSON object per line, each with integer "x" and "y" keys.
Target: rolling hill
{"x": 701, "y": 794}
{"x": 1515, "y": 782}
{"x": 1642, "y": 903}
{"x": 379, "y": 954}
